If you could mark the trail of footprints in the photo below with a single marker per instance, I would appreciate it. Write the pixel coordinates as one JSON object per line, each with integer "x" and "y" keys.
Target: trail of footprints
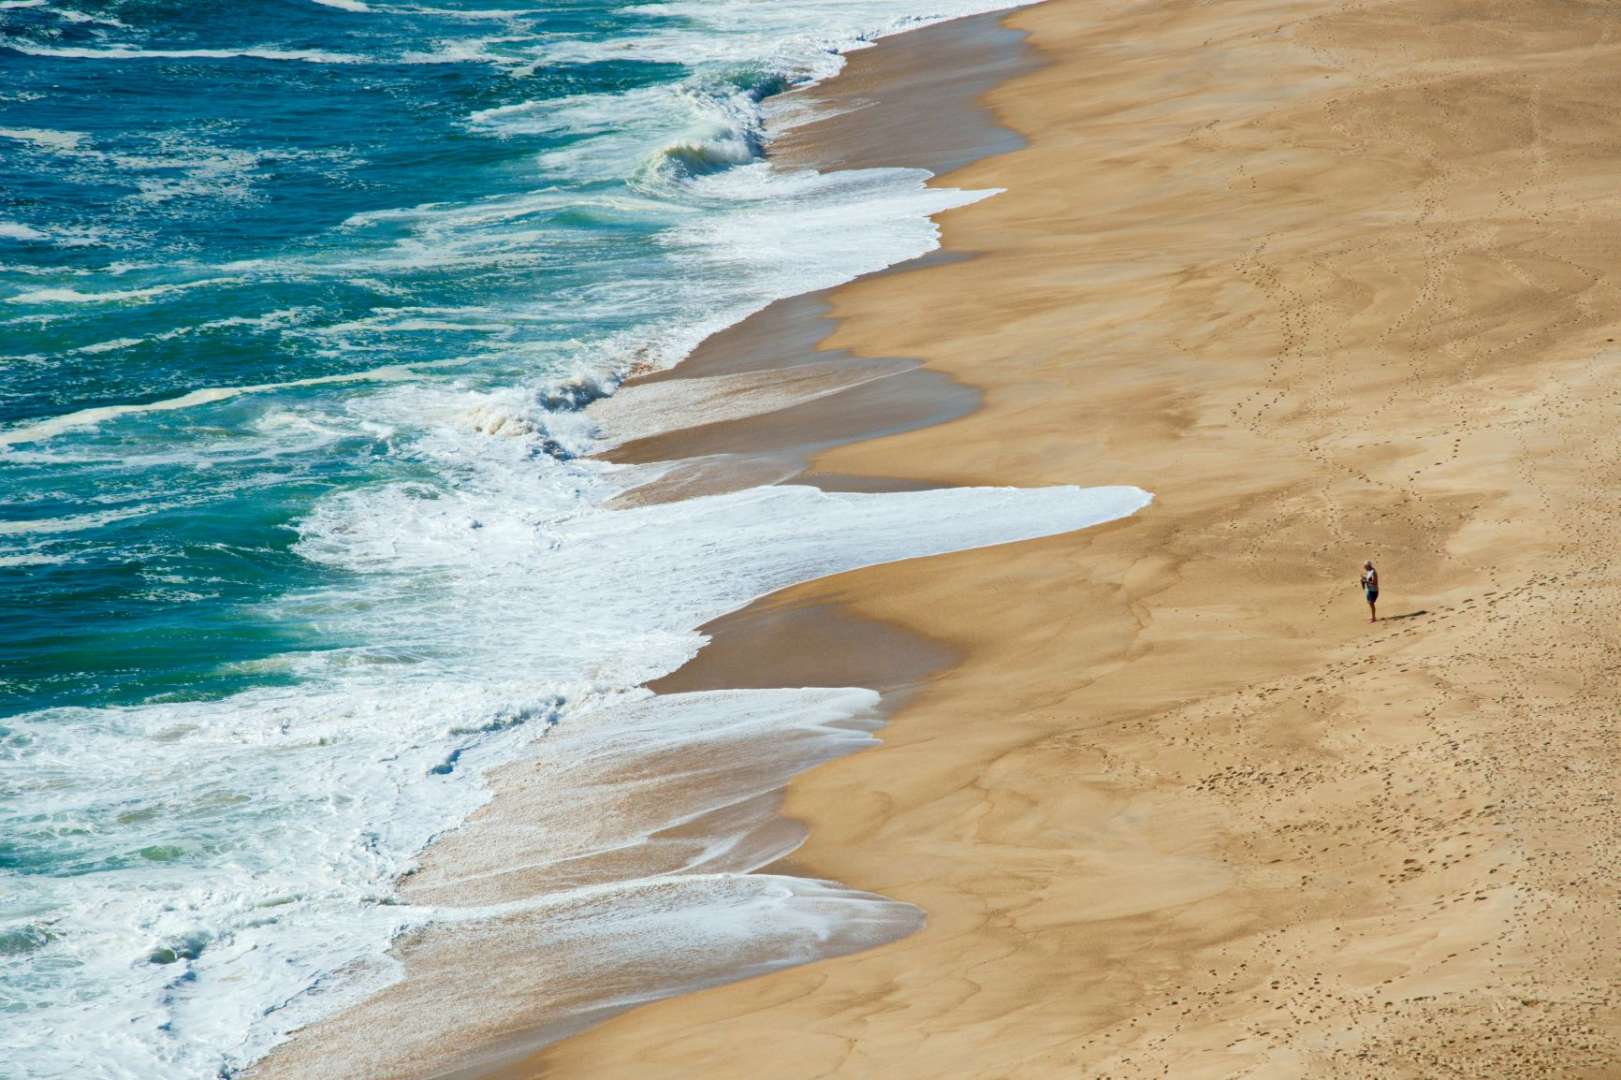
{"x": 1459, "y": 814}
{"x": 1435, "y": 807}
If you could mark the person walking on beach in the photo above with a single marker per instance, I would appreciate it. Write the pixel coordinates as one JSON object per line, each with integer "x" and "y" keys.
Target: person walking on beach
{"x": 1370, "y": 589}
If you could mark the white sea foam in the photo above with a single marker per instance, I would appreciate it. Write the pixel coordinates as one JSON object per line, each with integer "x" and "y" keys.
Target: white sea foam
{"x": 861, "y": 220}
{"x": 60, "y": 236}
{"x": 34, "y": 559}
{"x": 68, "y": 15}
{"x": 49, "y": 428}
{"x": 286, "y": 319}
{"x": 112, "y": 345}
{"x": 643, "y": 115}
{"x": 72, "y": 16}
{"x": 116, "y": 296}
{"x": 522, "y": 906}
{"x": 125, "y": 52}
{"x": 75, "y": 522}
{"x": 691, "y": 756}
{"x": 45, "y": 138}
{"x": 205, "y": 170}
{"x": 804, "y": 40}
{"x": 463, "y": 51}
{"x": 168, "y": 165}
{"x": 12, "y": 230}
{"x": 462, "y": 589}
{"x": 476, "y": 14}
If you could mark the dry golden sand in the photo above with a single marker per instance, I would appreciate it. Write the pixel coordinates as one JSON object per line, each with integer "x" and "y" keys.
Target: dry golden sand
{"x": 1335, "y": 281}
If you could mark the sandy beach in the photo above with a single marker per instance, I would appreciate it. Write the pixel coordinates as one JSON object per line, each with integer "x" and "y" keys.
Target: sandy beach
{"x": 1334, "y": 282}
{"x": 1155, "y": 798}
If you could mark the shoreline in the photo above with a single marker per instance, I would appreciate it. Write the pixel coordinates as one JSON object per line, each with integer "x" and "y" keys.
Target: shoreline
{"x": 769, "y": 394}
{"x": 786, "y": 399}
{"x": 1326, "y": 284}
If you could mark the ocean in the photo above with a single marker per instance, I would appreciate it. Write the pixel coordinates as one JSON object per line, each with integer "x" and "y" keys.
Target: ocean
{"x": 302, "y": 304}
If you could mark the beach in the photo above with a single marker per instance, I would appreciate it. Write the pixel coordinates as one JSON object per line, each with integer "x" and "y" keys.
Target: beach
{"x": 1333, "y": 282}
{"x": 1153, "y": 797}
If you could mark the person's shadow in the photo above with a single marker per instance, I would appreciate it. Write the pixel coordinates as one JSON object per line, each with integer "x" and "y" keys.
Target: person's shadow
{"x": 1408, "y": 615}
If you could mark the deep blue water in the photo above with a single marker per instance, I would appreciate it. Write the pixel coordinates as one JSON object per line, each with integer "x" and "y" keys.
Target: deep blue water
{"x": 239, "y": 173}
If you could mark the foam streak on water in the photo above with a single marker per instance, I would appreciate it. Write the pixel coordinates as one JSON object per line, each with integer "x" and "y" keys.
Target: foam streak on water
{"x": 303, "y": 305}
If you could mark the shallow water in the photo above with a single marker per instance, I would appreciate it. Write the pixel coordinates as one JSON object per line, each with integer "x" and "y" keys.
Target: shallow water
{"x": 300, "y": 304}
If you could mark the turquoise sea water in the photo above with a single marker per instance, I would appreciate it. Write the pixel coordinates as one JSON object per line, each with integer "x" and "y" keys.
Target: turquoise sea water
{"x": 300, "y": 304}
{"x": 201, "y": 221}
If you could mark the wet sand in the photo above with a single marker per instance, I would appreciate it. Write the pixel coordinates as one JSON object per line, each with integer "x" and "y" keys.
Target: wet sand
{"x": 1335, "y": 282}
{"x": 755, "y": 403}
